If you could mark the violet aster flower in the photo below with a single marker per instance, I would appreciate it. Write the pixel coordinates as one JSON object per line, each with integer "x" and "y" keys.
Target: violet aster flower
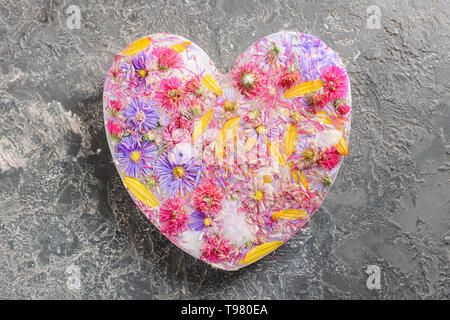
{"x": 177, "y": 173}
{"x": 198, "y": 221}
{"x": 142, "y": 116}
{"x": 135, "y": 159}
{"x": 143, "y": 68}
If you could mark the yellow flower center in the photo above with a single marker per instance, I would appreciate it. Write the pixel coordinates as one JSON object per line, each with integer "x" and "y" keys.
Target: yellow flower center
{"x": 207, "y": 222}
{"x": 142, "y": 73}
{"x": 135, "y": 156}
{"x": 260, "y": 130}
{"x": 307, "y": 154}
{"x": 259, "y": 195}
{"x": 228, "y": 106}
{"x": 178, "y": 172}
{"x": 267, "y": 178}
{"x": 295, "y": 116}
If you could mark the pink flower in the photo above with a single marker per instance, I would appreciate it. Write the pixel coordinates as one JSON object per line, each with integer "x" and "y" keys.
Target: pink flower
{"x": 329, "y": 158}
{"x": 317, "y": 101}
{"x": 289, "y": 79}
{"x": 250, "y": 80}
{"x": 194, "y": 86}
{"x": 181, "y": 122}
{"x": 215, "y": 249}
{"x": 115, "y": 129}
{"x": 343, "y": 109}
{"x": 167, "y": 58}
{"x": 173, "y": 135}
{"x": 207, "y": 197}
{"x": 173, "y": 216}
{"x": 170, "y": 94}
{"x": 116, "y": 105}
{"x": 335, "y": 82}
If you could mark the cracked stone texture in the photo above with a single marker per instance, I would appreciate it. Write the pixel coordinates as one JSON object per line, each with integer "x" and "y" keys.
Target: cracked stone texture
{"x": 62, "y": 203}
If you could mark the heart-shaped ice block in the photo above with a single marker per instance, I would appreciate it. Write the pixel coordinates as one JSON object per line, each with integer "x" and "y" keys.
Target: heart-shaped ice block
{"x": 228, "y": 166}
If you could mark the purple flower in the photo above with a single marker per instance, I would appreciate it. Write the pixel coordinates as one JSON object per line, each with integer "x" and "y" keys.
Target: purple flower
{"x": 142, "y": 115}
{"x": 177, "y": 174}
{"x": 198, "y": 221}
{"x": 142, "y": 71}
{"x": 134, "y": 158}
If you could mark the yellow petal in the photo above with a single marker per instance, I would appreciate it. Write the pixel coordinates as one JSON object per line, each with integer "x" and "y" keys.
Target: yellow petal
{"x": 212, "y": 84}
{"x": 221, "y": 137}
{"x": 249, "y": 144}
{"x": 181, "y": 47}
{"x": 342, "y": 147}
{"x": 140, "y": 191}
{"x": 295, "y": 175}
{"x": 303, "y": 180}
{"x": 260, "y": 251}
{"x": 136, "y": 46}
{"x": 202, "y": 124}
{"x": 276, "y": 154}
{"x": 289, "y": 214}
{"x": 303, "y": 88}
{"x": 290, "y": 140}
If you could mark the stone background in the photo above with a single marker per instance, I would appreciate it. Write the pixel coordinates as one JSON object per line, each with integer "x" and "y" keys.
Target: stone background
{"x": 62, "y": 205}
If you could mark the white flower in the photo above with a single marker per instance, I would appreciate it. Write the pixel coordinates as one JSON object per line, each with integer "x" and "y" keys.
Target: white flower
{"x": 328, "y": 138}
{"x": 183, "y": 151}
{"x": 234, "y": 225}
{"x": 191, "y": 241}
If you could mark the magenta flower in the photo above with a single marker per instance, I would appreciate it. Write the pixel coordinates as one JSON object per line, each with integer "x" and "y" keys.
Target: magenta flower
{"x": 250, "y": 80}
{"x": 114, "y": 128}
{"x": 207, "y": 197}
{"x": 335, "y": 82}
{"x": 170, "y": 94}
{"x": 167, "y": 58}
{"x": 216, "y": 249}
{"x": 329, "y": 158}
{"x": 173, "y": 216}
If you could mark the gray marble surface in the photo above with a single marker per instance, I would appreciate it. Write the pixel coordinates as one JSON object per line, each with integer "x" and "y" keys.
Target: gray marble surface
{"x": 64, "y": 210}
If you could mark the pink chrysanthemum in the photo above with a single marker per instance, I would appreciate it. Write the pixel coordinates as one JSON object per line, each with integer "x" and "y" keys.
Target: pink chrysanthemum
{"x": 289, "y": 79}
{"x": 170, "y": 94}
{"x": 329, "y": 158}
{"x": 194, "y": 86}
{"x": 173, "y": 216}
{"x": 180, "y": 121}
{"x": 173, "y": 135}
{"x": 317, "y": 101}
{"x": 115, "y": 129}
{"x": 335, "y": 82}
{"x": 207, "y": 197}
{"x": 167, "y": 58}
{"x": 216, "y": 249}
{"x": 250, "y": 80}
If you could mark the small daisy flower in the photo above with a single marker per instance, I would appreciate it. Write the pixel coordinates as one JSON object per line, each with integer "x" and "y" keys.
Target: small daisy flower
{"x": 306, "y": 154}
{"x": 229, "y": 105}
{"x": 142, "y": 69}
{"x": 141, "y": 115}
{"x": 198, "y": 221}
{"x": 177, "y": 175}
{"x": 135, "y": 158}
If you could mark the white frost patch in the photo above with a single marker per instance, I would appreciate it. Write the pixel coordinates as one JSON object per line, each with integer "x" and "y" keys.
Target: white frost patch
{"x": 191, "y": 241}
{"x": 234, "y": 225}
